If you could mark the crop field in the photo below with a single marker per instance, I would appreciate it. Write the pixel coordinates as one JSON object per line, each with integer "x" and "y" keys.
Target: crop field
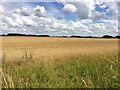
{"x": 51, "y": 62}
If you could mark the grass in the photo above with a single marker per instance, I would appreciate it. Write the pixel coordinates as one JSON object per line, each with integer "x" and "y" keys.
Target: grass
{"x": 82, "y": 63}
{"x": 89, "y": 72}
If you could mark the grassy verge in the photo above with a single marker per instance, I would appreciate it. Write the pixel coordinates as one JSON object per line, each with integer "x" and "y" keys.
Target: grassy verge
{"x": 89, "y": 72}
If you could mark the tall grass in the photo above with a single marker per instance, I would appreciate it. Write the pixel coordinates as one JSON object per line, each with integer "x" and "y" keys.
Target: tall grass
{"x": 87, "y": 72}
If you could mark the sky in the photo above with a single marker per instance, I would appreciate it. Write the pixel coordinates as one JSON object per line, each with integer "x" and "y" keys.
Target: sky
{"x": 60, "y": 18}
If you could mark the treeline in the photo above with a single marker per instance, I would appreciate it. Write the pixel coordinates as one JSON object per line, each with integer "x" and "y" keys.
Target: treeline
{"x": 104, "y": 36}
{"x": 17, "y": 34}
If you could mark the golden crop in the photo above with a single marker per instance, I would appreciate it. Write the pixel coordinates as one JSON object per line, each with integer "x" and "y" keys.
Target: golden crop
{"x": 44, "y": 49}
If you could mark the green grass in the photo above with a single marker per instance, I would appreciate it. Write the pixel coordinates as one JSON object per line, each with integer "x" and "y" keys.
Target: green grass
{"x": 87, "y": 72}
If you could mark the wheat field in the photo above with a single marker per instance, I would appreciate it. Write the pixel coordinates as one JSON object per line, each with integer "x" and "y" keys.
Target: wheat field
{"x": 50, "y": 49}
{"x": 51, "y": 62}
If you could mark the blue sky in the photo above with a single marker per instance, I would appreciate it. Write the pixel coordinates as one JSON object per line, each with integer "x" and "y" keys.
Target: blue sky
{"x": 51, "y": 6}
{"x": 59, "y": 18}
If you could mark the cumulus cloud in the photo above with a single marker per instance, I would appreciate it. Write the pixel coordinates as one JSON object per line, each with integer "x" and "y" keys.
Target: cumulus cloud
{"x": 97, "y": 15}
{"x": 40, "y": 11}
{"x": 105, "y": 27}
{"x": 25, "y": 11}
{"x": 27, "y": 21}
{"x": 19, "y": 21}
{"x": 9, "y": 21}
{"x": 84, "y": 8}
{"x": 69, "y": 8}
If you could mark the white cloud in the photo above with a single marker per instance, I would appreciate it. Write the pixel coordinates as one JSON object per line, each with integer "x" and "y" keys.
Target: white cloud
{"x": 99, "y": 1}
{"x": 103, "y": 6}
{"x": 19, "y": 21}
{"x": 17, "y": 11}
{"x": 17, "y": 18}
{"x": 9, "y": 21}
{"x": 87, "y": 21}
{"x": 24, "y": 11}
{"x": 69, "y": 8}
{"x": 105, "y": 27}
{"x": 1, "y": 9}
{"x": 97, "y": 15}
{"x": 84, "y": 8}
{"x": 40, "y": 11}
{"x": 27, "y": 21}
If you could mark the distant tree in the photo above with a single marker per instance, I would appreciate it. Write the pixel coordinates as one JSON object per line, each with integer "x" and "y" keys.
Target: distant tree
{"x": 3, "y": 35}
{"x": 43, "y": 35}
{"x": 76, "y": 36}
{"x": 65, "y": 36}
{"x": 15, "y": 34}
{"x": 107, "y": 36}
{"x": 117, "y": 36}
{"x": 88, "y": 36}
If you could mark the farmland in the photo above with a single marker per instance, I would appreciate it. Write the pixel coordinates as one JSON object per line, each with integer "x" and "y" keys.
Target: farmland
{"x": 51, "y": 62}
